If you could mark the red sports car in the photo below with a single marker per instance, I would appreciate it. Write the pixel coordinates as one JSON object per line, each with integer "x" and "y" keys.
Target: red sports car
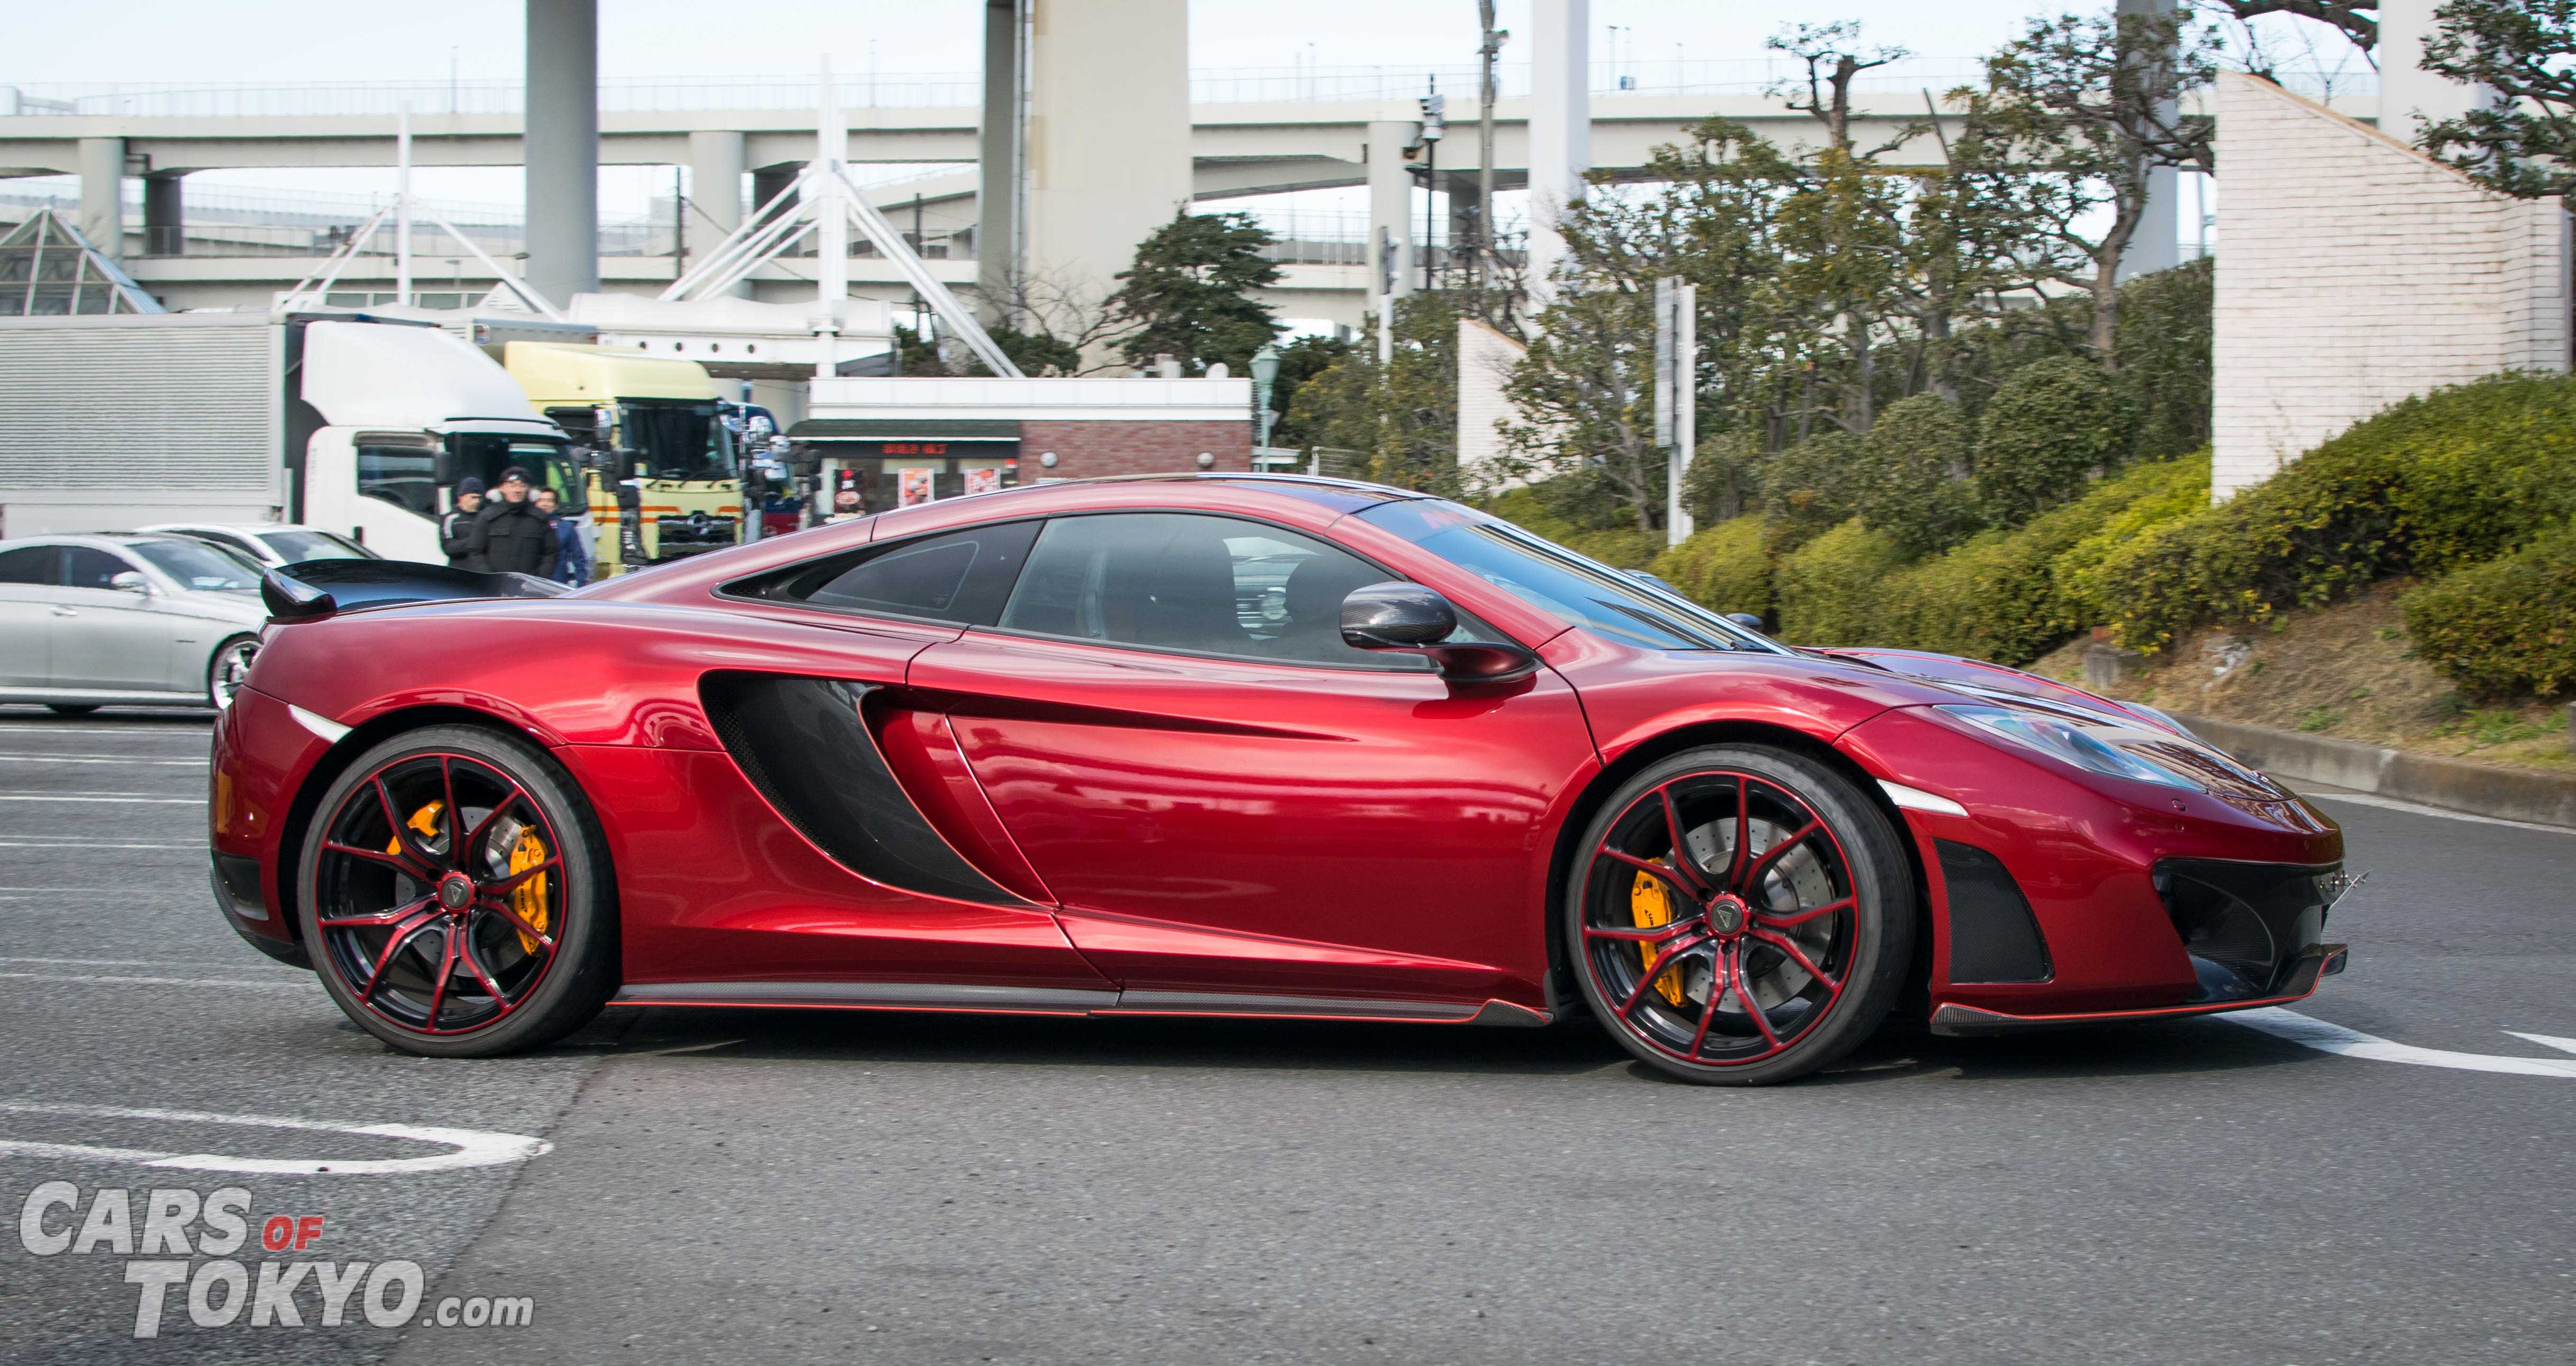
{"x": 1217, "y": 745}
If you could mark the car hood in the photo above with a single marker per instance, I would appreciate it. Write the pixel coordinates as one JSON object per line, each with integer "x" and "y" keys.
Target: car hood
{"x": 1978, "y": 680}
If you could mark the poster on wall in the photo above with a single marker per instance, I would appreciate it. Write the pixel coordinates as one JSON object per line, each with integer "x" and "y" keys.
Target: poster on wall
{"x": 845, "y": 493}
{"x": 983, "y": 481}
{"x": 916, "y": 487}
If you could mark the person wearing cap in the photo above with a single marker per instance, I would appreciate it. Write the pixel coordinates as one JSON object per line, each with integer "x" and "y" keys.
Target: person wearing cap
{"x": 456, "y": 529}
{"x": 510, "y": 534}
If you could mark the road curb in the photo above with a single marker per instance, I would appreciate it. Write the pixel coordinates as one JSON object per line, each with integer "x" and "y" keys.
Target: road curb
{"x": 2453, "y": 784}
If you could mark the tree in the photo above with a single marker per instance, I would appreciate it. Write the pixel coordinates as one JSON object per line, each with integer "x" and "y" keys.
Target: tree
{"x": 2051, "y": 427}
{"x": 2096, "y": 97}
{"x": 2356, "y": 19}
{"x": 1911, "y": 478}
{"x": 1188, "y": 294}
{"x": 2525, "y": 50}
{"x": 1400, "y": 417}
{"x": 1299, "y": 362}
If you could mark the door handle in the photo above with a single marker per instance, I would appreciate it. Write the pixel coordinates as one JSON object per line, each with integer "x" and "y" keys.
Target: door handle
{"x": 65, "y": 612}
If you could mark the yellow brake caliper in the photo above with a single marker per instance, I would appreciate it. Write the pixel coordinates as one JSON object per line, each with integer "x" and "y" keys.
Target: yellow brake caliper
{"x": 1651, "y": 906}
{"x": 529, "y": 900}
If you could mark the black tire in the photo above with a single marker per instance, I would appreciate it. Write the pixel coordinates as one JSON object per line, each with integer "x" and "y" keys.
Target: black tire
{"x": 226, "y": 668}
{"x": 71, "y": 708}
{"x": 334, "y": 878}
{"x": 1841, "y": 896}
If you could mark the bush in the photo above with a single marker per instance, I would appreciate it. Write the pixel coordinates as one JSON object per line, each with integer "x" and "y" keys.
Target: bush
{"x": 2047, "y": 429}
{"x": 1535, "y": 508}
{"x": 1808, "y": 488}
{"x": 2504, "y": 627}
{"x": 1911, "y": 480}
{"x": 1722, "y": 568}
{"x": 2155, "y": 493}
{"x": 2006, "y": 596}
{"x": 2431, "y": 485}
{"x": 2163, "y": 349}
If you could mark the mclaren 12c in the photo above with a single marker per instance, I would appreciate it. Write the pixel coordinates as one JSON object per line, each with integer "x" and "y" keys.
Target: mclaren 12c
{"x": 1245, "y": 746}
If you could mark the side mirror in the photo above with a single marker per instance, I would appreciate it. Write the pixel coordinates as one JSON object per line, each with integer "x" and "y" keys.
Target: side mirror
{"x": 1417, "y": 620}
{"x": 128, "y": 581}
{"x": 1748, "y": 621}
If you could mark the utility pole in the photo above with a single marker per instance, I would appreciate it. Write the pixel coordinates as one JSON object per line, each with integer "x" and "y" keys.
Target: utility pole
{"x": 1433, "y": 126}
{"x": 402, "y": 206}
{"x": 1676, "y": 379}
{"x": 1488, "y": 48}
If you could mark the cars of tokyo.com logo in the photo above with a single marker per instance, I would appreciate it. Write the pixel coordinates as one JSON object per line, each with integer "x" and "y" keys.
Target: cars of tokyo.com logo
{"x": 182, "y": 1246}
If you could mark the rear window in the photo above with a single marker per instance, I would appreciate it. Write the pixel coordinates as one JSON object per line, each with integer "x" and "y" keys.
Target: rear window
{"x": 961, "y": 576}
{"x": 33, "y": 564}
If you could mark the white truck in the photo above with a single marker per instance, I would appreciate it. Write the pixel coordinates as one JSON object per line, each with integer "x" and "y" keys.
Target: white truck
{"x": 351, "y": 423}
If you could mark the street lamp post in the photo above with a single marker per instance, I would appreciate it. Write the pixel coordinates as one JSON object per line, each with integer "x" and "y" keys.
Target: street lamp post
{"x": 1265, "y": 371}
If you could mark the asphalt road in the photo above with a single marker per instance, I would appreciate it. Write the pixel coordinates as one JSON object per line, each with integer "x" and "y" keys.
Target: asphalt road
{"x": 756, "y": 1187}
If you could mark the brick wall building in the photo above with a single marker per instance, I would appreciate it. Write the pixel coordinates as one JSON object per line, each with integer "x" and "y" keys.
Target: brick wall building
{"x": 2353, "y": 272}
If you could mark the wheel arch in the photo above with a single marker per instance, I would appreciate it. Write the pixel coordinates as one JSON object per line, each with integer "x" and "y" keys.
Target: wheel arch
{"x": 327, "y": 769}
{"x": 1579, "y": 818}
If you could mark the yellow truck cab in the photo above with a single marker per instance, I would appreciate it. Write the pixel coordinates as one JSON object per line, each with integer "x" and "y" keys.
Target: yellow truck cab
{"x": 666, "y": 414}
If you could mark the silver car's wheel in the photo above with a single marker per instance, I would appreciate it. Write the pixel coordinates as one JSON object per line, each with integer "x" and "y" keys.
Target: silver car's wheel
{"x": 231, "y": 664}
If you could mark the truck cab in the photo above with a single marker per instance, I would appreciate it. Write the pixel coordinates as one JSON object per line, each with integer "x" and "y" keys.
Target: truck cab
{"x": 663, "y": 419}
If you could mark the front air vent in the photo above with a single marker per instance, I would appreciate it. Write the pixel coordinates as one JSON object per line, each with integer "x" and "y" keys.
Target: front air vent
{"x": 1993, "y": 936}
{"x": 805, "y": 744}
{"x": 2245, "y": 925}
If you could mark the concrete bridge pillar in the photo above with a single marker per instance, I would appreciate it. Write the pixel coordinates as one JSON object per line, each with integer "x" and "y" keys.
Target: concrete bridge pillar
{"x": 2410, "y": 96}
{"x": 1560, "y": 130}
{"x": 102, "y": 210}
{"x": 165, "y": 219}
{"x": 1001, "y": 161}
{"x": 715, "y": 193}
{"x": 1390, "y": 185}
{"x": 2157, "y": 243}
{"x": 1108, "y": 152}
{"x": 563, "y": 148}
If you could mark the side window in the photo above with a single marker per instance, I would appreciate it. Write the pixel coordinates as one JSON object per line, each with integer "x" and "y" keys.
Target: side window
{"x": 88, "y": 567}
{"x": 961, "y": 576}
{"x": 405, "y": 476}
{"x": 1200, "y": 584}
{"x": 39, "y": 565}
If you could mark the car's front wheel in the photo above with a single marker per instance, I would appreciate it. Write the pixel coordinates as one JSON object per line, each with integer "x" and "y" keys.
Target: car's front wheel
{"x": 454, "y": 892}
{"x": 1740, "y": 914}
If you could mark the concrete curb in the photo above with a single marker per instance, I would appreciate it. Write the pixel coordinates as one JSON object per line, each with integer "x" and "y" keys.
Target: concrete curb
{"x": 2430, "y": 780}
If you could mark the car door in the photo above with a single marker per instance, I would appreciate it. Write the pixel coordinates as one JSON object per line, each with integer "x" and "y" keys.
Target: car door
{"x": 108, "y": 639}
{"x": 29, "y": 576}
{"x": 1225, "y": 798}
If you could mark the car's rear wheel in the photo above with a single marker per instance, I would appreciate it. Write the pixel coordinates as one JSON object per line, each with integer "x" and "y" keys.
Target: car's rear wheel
{"x": 226, "y": 670}
{"x": 1740, "y": 914}
{"x": 454, "y": 892}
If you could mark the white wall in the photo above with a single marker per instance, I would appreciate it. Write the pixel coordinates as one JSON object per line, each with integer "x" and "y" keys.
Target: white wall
{"x": 2353, "y": 272}
{"x": 1485, "y": 361}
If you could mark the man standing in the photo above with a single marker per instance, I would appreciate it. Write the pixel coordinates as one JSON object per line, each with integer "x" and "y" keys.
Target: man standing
{"x": 572, "y": 557}
{"x": 511, "y": 535}
{"x": 456, "y": 529}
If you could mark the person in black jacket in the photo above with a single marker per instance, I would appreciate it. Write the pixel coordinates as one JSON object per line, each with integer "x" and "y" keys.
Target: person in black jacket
{"x": 510, "y": 534}
{"x": 456, "y": 529}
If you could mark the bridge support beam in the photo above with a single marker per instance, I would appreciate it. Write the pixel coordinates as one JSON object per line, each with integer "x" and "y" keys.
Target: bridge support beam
{"x": 563, "y": 148}
{"x": 2410, "y": 96}
{"x": 1108, "y": 138}
{"x": 102, "y": 180}
{"x": 1560, "y": 130}
{"x": 1001, "y": 159}
{"x": 165, "y": 218}
{"x": 2157, "y": 243}
{"x": 715, "y": 191}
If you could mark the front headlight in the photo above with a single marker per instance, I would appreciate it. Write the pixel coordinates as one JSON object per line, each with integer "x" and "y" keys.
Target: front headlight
{"x": 2061, "y": 740}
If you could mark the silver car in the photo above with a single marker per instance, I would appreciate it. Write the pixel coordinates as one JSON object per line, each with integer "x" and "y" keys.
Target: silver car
{"x": 269, "y": 544}
{"x": 125, "y": 620}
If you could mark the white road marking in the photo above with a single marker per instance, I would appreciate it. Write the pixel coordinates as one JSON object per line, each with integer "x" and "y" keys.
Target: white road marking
{"x": 162, "y": 731}
{"x": 468, "y": 1147}
{"x": 74, "y": 848}
{"x": 146, "y": 981}
{"x": 2546, "y": 1040}
{"x": 109, "y": 759}
{"x": 2352, "y": 1043}
{"x": 116, "y": 799}
{"x": 2414, "y": 808}
{"x": 124, "y": 963}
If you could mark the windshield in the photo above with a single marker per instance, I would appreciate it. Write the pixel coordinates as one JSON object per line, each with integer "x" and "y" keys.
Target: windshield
{"x": 1559, "y": 582}
{"x": 195, "y": 564}
{"x": 292, "y": 546}
{"x": 676, "y": 438}
{"x": 484, "y": 456}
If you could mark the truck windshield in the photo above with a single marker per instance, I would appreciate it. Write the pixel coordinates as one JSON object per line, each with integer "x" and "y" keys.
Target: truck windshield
{"x": 677, "y": 438}
{"x": 484, "y": 456}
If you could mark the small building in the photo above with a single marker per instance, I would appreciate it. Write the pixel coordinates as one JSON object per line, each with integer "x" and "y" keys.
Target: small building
{"x": 889, "y": 442}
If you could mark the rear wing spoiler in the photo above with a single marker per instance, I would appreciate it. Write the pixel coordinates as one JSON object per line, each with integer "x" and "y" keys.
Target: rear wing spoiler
{"x": 310, "y": 590}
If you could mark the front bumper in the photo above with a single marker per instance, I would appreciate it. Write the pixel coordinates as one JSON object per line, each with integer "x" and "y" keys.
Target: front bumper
{"x": 2313, "y": 966}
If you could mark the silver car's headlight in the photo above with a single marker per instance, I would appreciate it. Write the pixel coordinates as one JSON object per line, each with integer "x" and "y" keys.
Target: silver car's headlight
{"x": 2061, "y": 740}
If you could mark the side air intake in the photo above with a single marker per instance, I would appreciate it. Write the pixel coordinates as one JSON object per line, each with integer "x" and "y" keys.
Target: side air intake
{"x": 1993, "y": 936}
{"x": 805, "y": 744}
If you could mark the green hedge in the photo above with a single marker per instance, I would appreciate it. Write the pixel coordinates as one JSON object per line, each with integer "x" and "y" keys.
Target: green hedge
{"x": 1723, "y": 567}
{"x": 2504, "y": 627}
{"x": 2429, "y": 486}
{"x": 2007, "y": 596}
